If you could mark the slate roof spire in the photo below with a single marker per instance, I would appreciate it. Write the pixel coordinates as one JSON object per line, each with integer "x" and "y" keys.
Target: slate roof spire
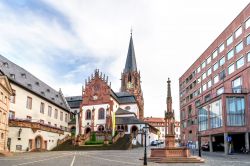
{"x": 130, "y": 65}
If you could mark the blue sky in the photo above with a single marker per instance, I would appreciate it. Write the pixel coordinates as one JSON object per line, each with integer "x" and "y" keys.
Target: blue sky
{"x": 63, "y": 42}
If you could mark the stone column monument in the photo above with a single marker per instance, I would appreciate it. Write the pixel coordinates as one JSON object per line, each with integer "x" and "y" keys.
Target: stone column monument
{"x": 170, "y": 153}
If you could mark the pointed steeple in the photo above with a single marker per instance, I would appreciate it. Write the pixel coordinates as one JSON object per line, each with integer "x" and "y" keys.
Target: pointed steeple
{"x": 130, "y": 65}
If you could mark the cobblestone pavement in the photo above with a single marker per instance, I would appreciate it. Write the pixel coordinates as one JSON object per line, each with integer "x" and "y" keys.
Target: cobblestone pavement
{"x": 111, "y": 158}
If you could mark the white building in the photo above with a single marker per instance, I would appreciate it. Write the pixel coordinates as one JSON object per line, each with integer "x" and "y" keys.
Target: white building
{"x": 38, "y": 116}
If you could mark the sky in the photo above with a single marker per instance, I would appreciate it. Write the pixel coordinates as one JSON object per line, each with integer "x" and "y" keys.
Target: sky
{"x": 63, "y": 42}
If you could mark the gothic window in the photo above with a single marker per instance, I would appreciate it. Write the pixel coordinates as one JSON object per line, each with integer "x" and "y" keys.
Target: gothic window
{"x": 88, "y": 115}
{"x": 101, "y": 113}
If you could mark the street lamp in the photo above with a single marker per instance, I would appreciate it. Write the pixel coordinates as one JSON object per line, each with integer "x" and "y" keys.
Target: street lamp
{"x": 144, "y": 131}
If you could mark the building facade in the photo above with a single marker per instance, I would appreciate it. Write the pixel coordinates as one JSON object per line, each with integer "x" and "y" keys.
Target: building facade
{"x": 38, "y": 116}
{"x": 159, "y": 123}
{"x": 214, "y": 91}
{"x": 5, "y": 91}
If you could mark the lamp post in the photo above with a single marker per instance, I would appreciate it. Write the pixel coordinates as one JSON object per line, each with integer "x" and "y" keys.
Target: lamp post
{"x": 144, "y": 131}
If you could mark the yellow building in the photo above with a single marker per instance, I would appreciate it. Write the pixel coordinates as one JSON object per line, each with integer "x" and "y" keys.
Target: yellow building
{"x": 5, "y": 92}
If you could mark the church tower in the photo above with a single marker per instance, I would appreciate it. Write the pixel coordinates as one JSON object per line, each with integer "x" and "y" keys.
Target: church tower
{"x": 131, "y": 79}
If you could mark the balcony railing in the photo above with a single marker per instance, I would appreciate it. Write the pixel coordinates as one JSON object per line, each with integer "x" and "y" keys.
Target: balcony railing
{"x": 26, "y": 123}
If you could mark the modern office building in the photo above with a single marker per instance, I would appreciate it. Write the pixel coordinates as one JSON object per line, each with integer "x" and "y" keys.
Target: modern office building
{"x": 215, "y": 90}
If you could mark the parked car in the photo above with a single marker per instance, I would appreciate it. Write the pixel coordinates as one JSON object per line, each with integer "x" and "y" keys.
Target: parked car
{"x": 155, "y": 143}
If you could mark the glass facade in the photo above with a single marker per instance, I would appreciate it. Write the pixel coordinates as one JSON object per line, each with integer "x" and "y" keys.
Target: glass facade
{"x": 215, "y": 114}
{"x": 235, "y": 111}
{"x": 203, "y": 119}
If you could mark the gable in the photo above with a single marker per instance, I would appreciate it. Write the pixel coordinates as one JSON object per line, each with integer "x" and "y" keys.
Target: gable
{"x": 6, "y": 84}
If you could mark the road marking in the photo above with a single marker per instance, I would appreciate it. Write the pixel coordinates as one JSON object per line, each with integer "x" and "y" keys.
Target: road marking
{"x": 72, "y": 163}
{"x": 31, "y": 162}
{"x": 13, "y": 158}
{"x": 123, "y": 162}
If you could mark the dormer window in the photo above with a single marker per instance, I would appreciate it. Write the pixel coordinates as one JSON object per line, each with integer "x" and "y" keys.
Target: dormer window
{"x": 37, "y": 83}
{"x": 42, "y": 93}
{"x": 5, "y": 64}
{"x": 12, "y": 76}
{"x": 48, "y": 90}
{"x": 61, "y": 103}
{"x": 23, "y": 75}
{"x": 52, "y": 98}
{"x": 29, "y": 85}
{"x": 56, "y": 95}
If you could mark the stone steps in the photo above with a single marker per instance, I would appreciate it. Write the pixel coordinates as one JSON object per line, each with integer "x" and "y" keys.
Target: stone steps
{"x": 192, "y": 159}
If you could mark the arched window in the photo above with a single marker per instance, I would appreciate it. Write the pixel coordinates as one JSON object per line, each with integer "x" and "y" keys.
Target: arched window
{"x": 101, "y": 128}
{"x": 129, "y": 77}
{"x": 101, "y": 113}
{"x": 88, "y": 115}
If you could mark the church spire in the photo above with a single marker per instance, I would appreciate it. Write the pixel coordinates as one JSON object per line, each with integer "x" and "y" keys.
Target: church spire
{"x": 169, "y": 88}
{"x": 130, "y": 65}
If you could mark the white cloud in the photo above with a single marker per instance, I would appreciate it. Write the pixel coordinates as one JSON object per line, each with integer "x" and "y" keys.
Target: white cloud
{"x": 168, "y": 37}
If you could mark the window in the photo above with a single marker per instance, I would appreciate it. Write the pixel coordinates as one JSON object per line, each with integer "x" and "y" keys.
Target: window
{"x": 222, "y": 75}
{"x": 247, "y": 23}
{"x": 61, "y": 116}
{"x": 49, "y": 111}
{"x": 11, "y": 115}
{"x": 204, "y": 87}
{"x": 101, "y": 113}
{"x": 41, "y": 121}
{"x": 203, "y": 119}
{"x": 13, "y": 97}
{"x": 198, "y": 69}
{"x": 230, "y": 54}
{"x": 209, "y": 71}
{"x": 240, "y": 63}
{"x": 101, "y": 128}
{"x": 237, "y": 85}
{"x": 215, "y": 114}
{"x": 88, "y": 115}
{"x": 220, "y": 91}
{"x": 235, "y": 111}
{"x": 229, "y": 40}
{"x": 238, "y": 32}
{"x": 29, "y": 118}
{"x": 221, "y": 48}
{"x": 231, "y": 69}
{"x": 215, "y": 53}
{"x": 66, "y": 117}
{"x": 207, "y": 97}
{"x": 29, "y": 103}
{"x": 239, "y": 47}
{"x": 199, "y": 80}
{"x": 248, "y": 40}
{"x": 216, "y": 79}
{"x": 12, "y": 76}
{"x": 209, "y": 84}
{"x": 204, "y": 76}
{"x": 49, "y": 123}
{"x": 23, "y": 75}
{"x": 222, "y": 61}
{"x": 208, "y": 59}
{"x": 42, "y": 108}
{"x": 56, "y": 114}
{"x": 216, "y": 65}
{"x": 203, "y": 64}
{"x": 248, "y": 57}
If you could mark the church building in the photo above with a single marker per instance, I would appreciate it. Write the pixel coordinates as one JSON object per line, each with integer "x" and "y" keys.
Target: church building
{"x": 102, "y": 109}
